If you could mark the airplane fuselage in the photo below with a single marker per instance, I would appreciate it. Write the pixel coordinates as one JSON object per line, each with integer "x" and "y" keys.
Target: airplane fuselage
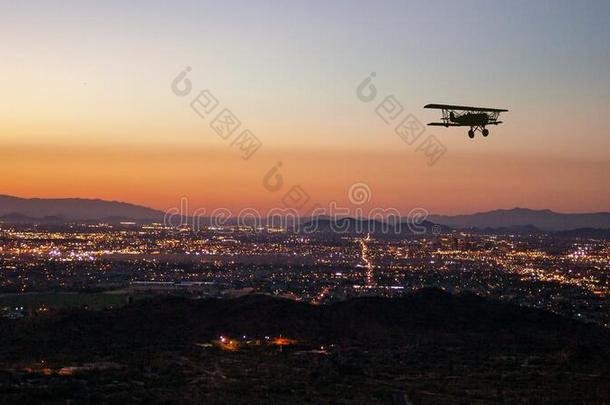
{"x": 471, "y": 119}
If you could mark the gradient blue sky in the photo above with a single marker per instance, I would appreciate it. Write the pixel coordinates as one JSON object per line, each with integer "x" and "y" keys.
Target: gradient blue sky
{"x": 87, "y": 80}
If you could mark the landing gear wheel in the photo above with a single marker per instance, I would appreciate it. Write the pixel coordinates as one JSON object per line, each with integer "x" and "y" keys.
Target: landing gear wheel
{"x": 485, "y": 132}
{"x": 471, "y": 134}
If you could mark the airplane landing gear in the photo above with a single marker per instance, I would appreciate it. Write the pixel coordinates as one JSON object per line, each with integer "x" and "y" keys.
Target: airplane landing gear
{"x": 473, "y": 131}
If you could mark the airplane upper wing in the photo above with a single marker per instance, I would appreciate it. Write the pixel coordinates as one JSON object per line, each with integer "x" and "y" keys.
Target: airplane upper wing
{"x": 463, "y": 108}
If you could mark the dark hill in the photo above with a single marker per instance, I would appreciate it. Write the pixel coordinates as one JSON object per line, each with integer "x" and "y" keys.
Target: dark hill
{"x": 175, "y": 321}
{"x": 428, "y": 347}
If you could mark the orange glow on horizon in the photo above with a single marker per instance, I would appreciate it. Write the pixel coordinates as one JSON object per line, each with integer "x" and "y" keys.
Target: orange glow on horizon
{"x": 158, "y": 176}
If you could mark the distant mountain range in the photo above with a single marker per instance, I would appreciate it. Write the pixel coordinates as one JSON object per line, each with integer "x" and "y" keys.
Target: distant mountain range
{"x": 545, "y": 220}
{"x": 364, "y": 226}
{"x": 15, "y": 209}
{"x": 520, "y": 220}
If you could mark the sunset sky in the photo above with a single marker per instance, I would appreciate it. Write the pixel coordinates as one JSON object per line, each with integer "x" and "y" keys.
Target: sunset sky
{"x": 88, "y": 109}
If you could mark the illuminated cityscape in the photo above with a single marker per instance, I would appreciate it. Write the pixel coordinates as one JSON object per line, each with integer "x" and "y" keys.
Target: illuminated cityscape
{"x": 566, "y": 275}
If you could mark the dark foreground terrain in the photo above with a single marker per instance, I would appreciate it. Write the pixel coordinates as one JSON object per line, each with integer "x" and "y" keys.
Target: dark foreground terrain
{"x": 429, "y": 347}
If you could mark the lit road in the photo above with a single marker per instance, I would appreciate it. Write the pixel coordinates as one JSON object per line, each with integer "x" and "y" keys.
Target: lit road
{"x": 366, "y": 259}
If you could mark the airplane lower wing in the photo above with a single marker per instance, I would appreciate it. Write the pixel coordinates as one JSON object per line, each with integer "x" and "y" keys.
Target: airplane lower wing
{"x": 442, "y": 124}
{"x": 453, "y": 124}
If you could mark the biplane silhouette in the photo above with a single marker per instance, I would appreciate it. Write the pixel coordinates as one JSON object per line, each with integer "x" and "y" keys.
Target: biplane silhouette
{"x": 477, "y": 118}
